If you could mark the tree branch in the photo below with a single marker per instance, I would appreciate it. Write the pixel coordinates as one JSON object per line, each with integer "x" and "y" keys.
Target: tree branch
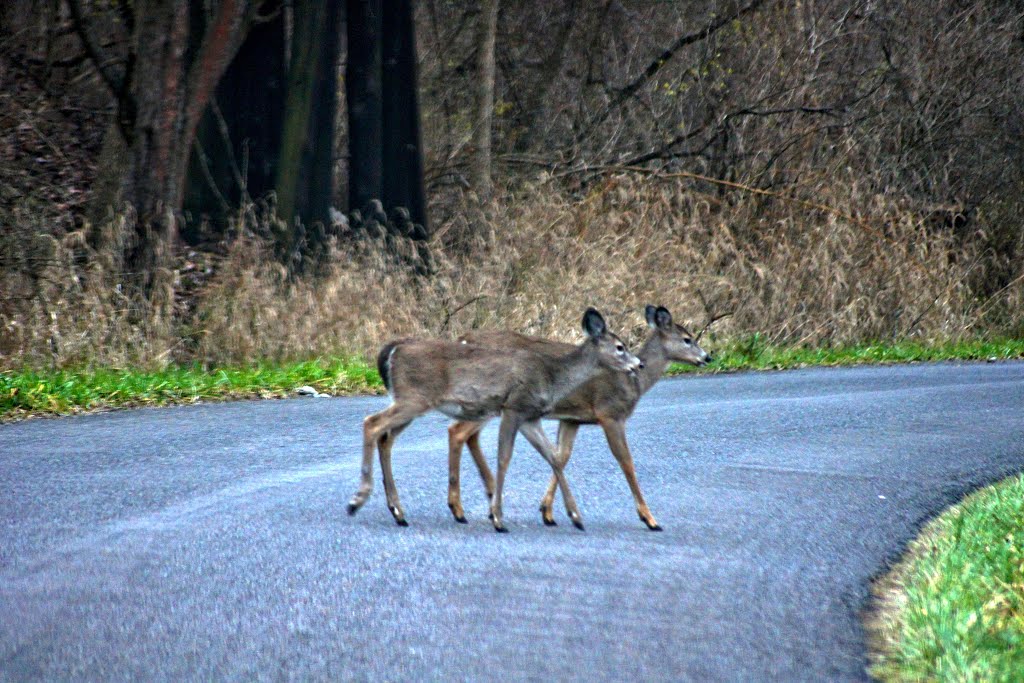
{"x": 657, "y": 64}
{"x": 100, "y": 60}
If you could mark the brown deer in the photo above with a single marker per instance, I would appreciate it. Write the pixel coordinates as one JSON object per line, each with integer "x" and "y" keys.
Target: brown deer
{"x": 474, "y": 383}
{"x": 608, "y": 400}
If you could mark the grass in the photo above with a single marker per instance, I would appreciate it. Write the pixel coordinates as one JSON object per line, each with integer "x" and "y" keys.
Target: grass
{"x": 755, "y": 353}
{"x": 953, "y": 609}
{"x": 54, "y": 392}
{"x": 31, "y": 392}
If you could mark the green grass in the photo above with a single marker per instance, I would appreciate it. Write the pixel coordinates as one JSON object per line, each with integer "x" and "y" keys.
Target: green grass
{"x": 754, "y": 353}
{"x": 26, "y": 392}
{"x": 35, "y": 392}
{"x": 954, "y": 608}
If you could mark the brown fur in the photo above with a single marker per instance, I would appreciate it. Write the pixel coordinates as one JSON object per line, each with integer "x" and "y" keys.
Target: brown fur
{"x": 608, "y": 399}
{"x": 473, "y": 382}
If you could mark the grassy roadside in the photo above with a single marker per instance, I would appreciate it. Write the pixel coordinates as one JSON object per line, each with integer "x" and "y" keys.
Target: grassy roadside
{"x": 31, "y": 392}
{"x": 754, "y": 353}
{"x": 56, "y": 392}
{"x": 953, "y": 609}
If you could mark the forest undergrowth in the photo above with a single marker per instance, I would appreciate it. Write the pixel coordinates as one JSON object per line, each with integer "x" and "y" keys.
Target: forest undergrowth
{"x": 852, "y": 267}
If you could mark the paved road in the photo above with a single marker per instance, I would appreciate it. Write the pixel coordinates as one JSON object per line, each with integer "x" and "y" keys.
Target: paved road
{"x": 211, "y": 542}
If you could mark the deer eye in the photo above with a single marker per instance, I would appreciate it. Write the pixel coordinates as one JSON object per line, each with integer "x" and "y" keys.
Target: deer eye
{"x": 687, "y": 341}
{"x": 620, "y": 348}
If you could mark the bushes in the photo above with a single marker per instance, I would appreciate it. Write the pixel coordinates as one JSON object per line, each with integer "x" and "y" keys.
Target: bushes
{"x": 793, "y": 274}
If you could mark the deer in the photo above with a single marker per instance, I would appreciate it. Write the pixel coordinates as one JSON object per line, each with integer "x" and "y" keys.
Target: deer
{"x": 470, "y": 382}
{"x": 608, "y": 400}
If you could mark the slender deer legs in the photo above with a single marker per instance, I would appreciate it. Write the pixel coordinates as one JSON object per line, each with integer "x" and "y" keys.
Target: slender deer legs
{"x": 379, "y": 430}
{"x": 473, "y": 442}
{"x": 534, "y": 433}
{"x": 468, "y": 433}
{"x": 615, "y": 432}
{"x": 566, "y": 437}
{"x": 506, "y": 440}
{"x": 384, "y": 445}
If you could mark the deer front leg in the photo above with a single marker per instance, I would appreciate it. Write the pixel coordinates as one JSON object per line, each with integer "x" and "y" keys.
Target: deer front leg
{"x": 566, "y": 437}
{"x": 384, "y": 449}
{"x": 534, "y": 433}
{"x": 615, "y": 432}
{"x": 458, "y": 434}
{"x": 510, "y": 423}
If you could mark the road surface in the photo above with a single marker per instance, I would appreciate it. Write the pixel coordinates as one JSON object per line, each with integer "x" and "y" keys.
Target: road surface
{"x": 211, "y": 542}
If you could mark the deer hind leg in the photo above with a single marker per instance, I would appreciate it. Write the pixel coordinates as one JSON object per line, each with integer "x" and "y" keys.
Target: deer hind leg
{"x": 375, "y": 427}
{"x": 510, "y": 423}
{"x": 566, "y": 437}
{"x": 534, "y": 433}
{"x": 615, "y": 432}
{"x": 458, "y": 435}
{"x": 473, "y": 443}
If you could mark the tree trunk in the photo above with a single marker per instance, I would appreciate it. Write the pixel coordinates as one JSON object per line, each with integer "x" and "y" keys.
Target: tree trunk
{"x": 480, "y": 164}
{"x": 364, "y": 22}
{"x": 385, "y": 151}
{"x": 535, "y": 110}
{"x": 320, "y": 197}
{"x": 178, "y": 56}
{"x": 238, "y": 141}
{"x": 305, "y": 180}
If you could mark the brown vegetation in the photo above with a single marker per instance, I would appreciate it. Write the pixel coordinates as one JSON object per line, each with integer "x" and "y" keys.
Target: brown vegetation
{"x": 865, "y": 165}
{"x": 795, "y": 275}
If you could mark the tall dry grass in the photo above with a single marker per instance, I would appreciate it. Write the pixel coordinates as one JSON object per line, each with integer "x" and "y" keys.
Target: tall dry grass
{"x": 532, "y": 262}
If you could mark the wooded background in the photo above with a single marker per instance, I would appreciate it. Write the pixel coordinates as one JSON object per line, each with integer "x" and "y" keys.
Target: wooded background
{"x": 154, "y": 129}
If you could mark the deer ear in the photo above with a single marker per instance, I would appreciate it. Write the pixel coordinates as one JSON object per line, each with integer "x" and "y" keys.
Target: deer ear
{"x": 649, "y": 315}
{"x": 662, "y": 318}
{"x": 593, "y": 323}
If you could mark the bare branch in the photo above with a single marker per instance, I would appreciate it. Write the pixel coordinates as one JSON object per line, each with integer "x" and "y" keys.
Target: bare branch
{"x": 102, "y": 62}
{"x": 657, "y": 64}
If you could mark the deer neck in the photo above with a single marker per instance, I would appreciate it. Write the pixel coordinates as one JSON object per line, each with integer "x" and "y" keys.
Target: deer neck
{"x": 655, "y": 361}
{"x": 574, "y": 369}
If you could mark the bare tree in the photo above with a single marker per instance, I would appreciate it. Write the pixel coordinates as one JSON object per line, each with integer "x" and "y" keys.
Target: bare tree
{"x": 178, "y": 52}
{"x": 480, "y": 167}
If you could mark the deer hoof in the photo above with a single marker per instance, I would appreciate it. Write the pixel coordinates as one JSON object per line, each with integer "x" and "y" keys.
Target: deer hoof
{"x": 352, "y": 508}
{"x": 461, "y": 520}
{"x": 501, "y": 529}
{"x": 651, "y": 524}
{"x": 550, "y": 521}
{"x": 578, "y": 523}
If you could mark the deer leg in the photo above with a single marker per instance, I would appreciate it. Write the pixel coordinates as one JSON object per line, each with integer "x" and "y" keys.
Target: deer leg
{"x": 371, "y": 432}
{"x": 384, "y": 445}
{"x": 473, "y": 442}
{"x": 566, "y": 437}
{"x": 510, "y": 423}
{"x": 615, "y": 432}
{"x": 458, "y": 434}
{"x": 534, "y": 433}
{"x": 375, "y": 427}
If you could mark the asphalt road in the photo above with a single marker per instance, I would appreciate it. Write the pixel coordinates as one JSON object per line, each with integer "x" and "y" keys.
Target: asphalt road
{"x": 211, "y": 542}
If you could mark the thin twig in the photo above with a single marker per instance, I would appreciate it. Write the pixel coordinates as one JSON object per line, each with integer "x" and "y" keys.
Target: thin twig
{"x": 450, "y": 314}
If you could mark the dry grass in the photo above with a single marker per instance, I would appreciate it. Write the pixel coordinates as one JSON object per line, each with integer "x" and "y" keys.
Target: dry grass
{"x": 532, "y": 262}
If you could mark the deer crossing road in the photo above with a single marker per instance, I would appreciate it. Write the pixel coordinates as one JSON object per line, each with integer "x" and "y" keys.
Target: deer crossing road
{"x": 210, "y": 542}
